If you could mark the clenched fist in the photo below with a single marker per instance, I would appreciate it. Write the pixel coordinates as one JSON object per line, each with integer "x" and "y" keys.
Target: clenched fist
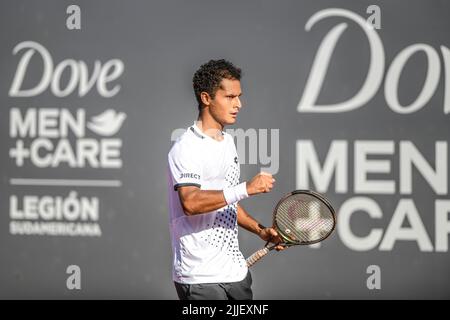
{"x": 261, "y": 183}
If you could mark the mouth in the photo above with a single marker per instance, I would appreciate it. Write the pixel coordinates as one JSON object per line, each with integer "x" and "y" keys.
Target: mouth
{"x": 234, "y": 114}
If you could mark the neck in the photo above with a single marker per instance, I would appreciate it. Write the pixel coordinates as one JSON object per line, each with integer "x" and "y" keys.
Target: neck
{"x": 209, "y": 126}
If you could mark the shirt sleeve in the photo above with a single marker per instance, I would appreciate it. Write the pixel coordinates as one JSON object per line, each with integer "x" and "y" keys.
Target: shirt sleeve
{"x": 185, "y": 167}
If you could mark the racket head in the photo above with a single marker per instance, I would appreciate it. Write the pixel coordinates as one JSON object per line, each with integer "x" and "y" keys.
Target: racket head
{"x": 304, "y": 217}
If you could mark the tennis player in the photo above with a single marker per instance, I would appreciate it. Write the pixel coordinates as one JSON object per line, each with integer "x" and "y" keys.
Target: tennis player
{"x": 204, "y": 194}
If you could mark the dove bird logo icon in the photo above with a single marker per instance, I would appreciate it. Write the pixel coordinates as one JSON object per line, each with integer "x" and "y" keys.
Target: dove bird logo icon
{"x": 107, "y": 123}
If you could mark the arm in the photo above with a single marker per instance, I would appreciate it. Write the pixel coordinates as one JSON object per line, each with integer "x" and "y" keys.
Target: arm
{"x": 247, "y": 222}
{"x": 197, "y": 201}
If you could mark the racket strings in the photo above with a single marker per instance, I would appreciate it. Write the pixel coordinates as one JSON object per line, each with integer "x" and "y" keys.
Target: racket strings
{"x": 304, "y": 218}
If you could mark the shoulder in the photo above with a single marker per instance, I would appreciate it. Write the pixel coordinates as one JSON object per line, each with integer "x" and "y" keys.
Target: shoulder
{"x": 188, "y": 144}
{"x": 229, "y": 138}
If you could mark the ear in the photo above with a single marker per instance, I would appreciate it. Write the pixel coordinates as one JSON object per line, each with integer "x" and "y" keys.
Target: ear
{"x": 206, "y": 98}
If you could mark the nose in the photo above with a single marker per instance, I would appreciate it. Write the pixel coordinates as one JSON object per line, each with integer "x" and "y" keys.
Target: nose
{"x": 238, "y": 103}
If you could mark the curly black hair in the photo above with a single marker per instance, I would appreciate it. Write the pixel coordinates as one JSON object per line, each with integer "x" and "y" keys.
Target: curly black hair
{"x": 208, "y": 77}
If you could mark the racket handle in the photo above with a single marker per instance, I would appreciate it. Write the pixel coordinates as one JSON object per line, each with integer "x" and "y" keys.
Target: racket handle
{"x": 257, "y": 256}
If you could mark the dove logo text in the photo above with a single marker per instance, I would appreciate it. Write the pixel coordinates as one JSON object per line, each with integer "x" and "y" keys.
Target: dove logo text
{"x": 102, "y": 76}
{"x": 376, "y": 72}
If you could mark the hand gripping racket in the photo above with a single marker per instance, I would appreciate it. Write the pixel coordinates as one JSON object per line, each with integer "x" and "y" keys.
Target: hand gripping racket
{"x": 301, "y": 217}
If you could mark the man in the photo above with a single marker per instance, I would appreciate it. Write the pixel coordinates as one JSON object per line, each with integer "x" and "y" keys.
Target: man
{"x": 204, "y": 191}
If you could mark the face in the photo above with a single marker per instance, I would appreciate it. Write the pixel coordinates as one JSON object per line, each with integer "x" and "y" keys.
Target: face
{"x": 226, "y": 103}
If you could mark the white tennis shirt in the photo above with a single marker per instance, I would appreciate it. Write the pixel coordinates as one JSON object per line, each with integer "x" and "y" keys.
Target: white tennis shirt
{"x": 205, "y": 246}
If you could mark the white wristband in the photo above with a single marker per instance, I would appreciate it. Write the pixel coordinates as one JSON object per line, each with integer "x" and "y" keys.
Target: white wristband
{"x": 236, "y": 193}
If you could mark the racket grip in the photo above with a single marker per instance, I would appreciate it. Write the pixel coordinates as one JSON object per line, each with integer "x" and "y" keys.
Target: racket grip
{"x": 257, "y": 256}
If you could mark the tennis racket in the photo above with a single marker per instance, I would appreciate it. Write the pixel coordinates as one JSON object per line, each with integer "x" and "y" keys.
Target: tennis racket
{"x": 301, "y": 217}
